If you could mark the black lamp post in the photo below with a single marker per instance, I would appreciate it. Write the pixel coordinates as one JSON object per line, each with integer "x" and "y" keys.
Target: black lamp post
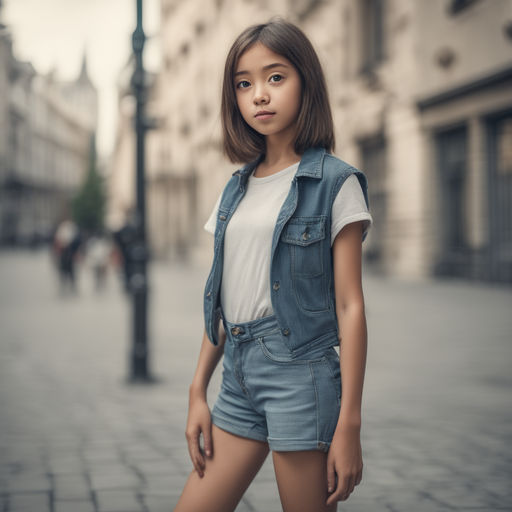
{"x": 138, "y": 283}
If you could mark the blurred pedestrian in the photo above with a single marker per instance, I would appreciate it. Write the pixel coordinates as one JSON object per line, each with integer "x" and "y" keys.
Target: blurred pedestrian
{"x": 286, "y": 283}
{"x": 66, "y": 244}
{"x": 125, "y": 238}
{"x": 98, "y": 253}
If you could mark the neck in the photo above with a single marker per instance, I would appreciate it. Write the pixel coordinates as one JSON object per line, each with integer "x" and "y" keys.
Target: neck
{"x": 278, "y": 151}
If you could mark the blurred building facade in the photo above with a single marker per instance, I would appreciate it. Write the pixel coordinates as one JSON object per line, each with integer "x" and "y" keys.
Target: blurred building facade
{"x": 45, "y": 131}
{"x": 422, "y": 102}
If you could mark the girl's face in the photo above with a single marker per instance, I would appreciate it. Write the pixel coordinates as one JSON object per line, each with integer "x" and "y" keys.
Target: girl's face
{"x": 268, "y": 91}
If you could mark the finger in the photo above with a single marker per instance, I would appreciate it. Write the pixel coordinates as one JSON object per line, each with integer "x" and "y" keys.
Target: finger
{"x": 339, "y": 493}
{"x": 198, "y": 456}
{"x": 195, "y": 453}
{"x": 331, "y": 477}
{"x": 198, "y": 461}
{"x": 359, "y": 477}
{"x": 199, "y": 467}
{"x": 193, "y": 459}
{"x": 335, "y": 496}
{"x": 350, "y": 486}
{"x": 207, "y": 438}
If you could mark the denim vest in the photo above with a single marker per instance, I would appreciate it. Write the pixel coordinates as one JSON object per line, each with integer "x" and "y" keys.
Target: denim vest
{"x": 301, "y": 266}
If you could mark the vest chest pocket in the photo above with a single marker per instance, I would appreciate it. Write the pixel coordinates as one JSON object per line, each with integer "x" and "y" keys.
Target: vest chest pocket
{"x": 305, "y": 235}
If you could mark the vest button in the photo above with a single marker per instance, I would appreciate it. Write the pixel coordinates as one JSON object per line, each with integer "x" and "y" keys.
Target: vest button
{"x": 276, "y": 285}
{"x": 306, "y": 235}
{"x": 286, "y": 332}
{"x": 222, "y": 217}
{"x": 237, "y": 330}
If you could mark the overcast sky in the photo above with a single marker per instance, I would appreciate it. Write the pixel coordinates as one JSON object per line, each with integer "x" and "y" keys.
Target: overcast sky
{"x": 55, "y": 33}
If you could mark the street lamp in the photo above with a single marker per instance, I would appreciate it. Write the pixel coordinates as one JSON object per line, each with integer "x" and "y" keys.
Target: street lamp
{"x": 138, "y": 283}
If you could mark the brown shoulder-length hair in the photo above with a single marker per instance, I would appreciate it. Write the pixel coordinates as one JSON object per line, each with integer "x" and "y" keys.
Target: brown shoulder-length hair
{"x": 242, "y": 143}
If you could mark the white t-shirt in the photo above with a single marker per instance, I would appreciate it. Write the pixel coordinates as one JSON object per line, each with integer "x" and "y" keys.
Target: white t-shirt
{"x": 245, "y": 287}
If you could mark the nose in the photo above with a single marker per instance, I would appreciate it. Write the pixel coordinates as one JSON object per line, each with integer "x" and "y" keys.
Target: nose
{"x": 261, "y": 96}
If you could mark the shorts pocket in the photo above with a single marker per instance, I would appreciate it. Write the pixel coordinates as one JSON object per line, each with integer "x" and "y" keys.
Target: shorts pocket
{"x": 276, "y": 350}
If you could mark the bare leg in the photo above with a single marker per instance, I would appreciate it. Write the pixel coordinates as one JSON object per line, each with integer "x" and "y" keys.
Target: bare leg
{"x": 302, "y": 481}
{"x": 234, "y": 464}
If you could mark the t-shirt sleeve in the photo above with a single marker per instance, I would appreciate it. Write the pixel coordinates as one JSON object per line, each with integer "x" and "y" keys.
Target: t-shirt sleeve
{"x": 350, "y": 206}
{"x": 212, "y": 219}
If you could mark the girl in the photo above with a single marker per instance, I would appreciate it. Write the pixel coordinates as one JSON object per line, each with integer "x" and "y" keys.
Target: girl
{"x": 284, "y": 289}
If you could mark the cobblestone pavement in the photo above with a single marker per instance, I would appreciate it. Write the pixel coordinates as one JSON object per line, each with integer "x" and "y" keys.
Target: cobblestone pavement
{"x": 74, "y": 437}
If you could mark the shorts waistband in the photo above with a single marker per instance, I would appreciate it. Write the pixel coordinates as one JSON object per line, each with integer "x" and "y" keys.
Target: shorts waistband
{"x": 245, "y": 331}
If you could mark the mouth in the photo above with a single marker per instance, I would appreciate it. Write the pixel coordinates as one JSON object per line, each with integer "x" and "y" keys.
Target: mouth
{"x": 264, "y": 114}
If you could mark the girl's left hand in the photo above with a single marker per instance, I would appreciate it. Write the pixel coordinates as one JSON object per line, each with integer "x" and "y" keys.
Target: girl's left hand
{"x": 344, "y": 464}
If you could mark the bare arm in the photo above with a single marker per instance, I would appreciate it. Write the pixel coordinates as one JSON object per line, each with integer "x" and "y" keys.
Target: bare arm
{"x": 209, "y": 356}
{"x": 345, "y": 457}
{"x": 199, "y": 418}
{"x": 351, "y": 321}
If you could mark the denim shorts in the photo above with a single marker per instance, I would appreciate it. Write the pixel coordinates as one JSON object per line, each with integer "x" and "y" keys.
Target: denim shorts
{"x": 291, "y": 402}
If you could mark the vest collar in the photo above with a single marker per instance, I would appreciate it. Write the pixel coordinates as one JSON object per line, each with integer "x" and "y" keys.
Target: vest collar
{"x": 311, "y": 163}
{"x": 310, "y": 166}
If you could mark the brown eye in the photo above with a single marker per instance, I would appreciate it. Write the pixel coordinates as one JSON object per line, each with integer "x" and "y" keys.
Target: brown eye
{"x": 243, "y": 84}
{"x": 276, "y": 78}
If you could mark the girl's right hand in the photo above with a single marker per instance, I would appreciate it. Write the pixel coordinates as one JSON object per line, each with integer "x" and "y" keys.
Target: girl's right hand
{"x": 199, "y": 422}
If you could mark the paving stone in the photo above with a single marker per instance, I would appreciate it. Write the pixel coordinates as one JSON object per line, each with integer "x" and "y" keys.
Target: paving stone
{"x": 65, "y": 465}
{"x": 29, "y": 483}
{"x": 39, "y": 502}
{"x": 160, "y": 502}
{"x": 244, "y": 506}
{"x": 164, "y": 484}
{"x": 361, "y": 504}
{"x": 118, "y": 501}
{"x": 157, "y": 467}
{"x": 112, "y": 480}
{"x": 74, "y": 506}
{"x": 461, "y": 496}
{"x": 71, "y": 487}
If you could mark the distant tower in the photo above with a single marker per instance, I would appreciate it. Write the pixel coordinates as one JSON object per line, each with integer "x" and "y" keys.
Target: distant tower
{"x": 83, "y": 95}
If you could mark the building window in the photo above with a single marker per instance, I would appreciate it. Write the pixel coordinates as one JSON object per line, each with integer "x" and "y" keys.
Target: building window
{"x": 500, "y": 198}
{"x": 452, "y": 150}
{"x": 168, "y": 7}
{"x": 184, "y": 49}
{"x": 456, "y": 6}
{"x": 199, "y": 28}
{"x": 303, "y": 8}
{"x": 185, "y": 129}
{"x": 503, "y": 141}
{"x": 373, "y": 157}
{"x": 372, "y": 33}
{"x": 452, "y": 154}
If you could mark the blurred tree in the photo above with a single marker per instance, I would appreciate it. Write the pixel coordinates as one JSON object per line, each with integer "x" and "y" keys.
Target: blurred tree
{"x": 88, "y": 205}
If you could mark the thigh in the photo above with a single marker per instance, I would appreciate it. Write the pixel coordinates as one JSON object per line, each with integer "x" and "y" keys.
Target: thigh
{"x": 302, "y": 481}
{"x": 235, "y": 462}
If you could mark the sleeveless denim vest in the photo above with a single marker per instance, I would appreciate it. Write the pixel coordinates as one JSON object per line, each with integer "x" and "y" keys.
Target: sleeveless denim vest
{"x": 301, "y": 266}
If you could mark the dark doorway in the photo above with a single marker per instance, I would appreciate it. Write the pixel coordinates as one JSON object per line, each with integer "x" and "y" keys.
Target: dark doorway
{"x": 373, "y": 152}
{"x": 500, "y": 197}
{"x": 451, "y": 147}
